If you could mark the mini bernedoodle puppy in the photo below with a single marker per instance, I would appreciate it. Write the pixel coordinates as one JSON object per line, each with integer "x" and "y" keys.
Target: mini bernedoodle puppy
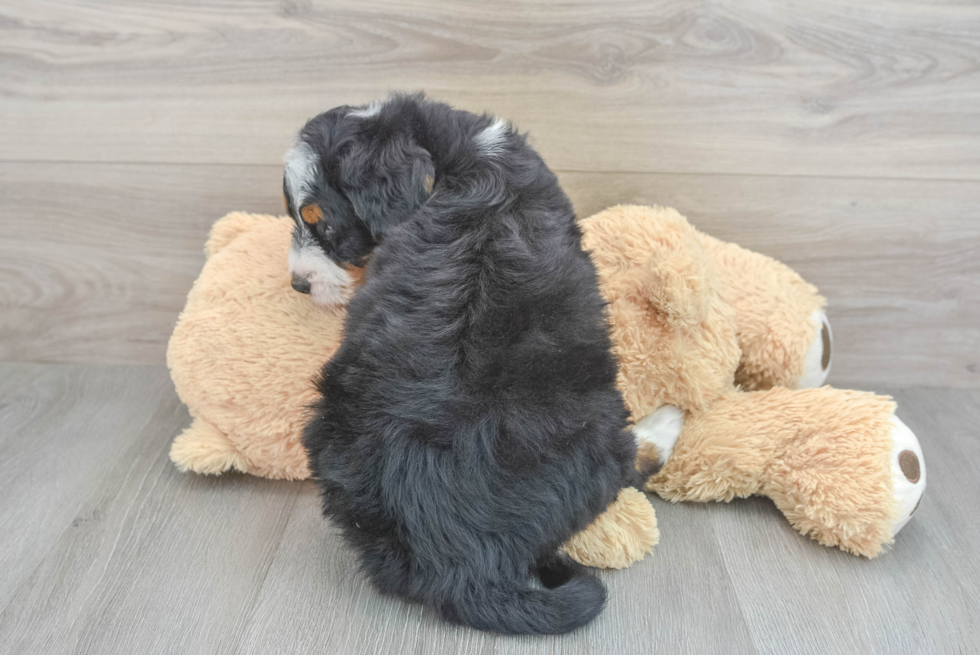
{"x": 470, "y": 421}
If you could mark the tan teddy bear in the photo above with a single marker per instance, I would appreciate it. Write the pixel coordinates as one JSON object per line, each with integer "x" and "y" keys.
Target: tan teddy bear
{"x": 691, "y": 317}
{"x": 704, "y": 331}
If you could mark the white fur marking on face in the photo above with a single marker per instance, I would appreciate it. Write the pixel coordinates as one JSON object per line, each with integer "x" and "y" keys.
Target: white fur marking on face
{"x": 302, "y": 169}
{"x": 814, "y": 374}
{"x": 661, "y": 429}
{"x": 491, "y": 139}
{"x": 370, "y": 111}
{"x": 330, "y": 285}
{"x": 907, "y": 493}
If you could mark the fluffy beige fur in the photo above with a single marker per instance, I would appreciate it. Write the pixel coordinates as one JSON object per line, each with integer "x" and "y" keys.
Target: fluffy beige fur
{"x": 696, "y": 323}
{"x": 694, "y": 320}
{"x": 243, "y": 353}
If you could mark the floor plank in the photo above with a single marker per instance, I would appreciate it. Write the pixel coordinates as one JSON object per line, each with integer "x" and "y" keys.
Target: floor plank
{"x": 656, "y": 604}
{"x": 154, "y": 561}
{"x": 132, "y": 556}
{"x": 61, "y": 430}
{"x": 884, "y": 89}
{"x": 898, "y": 260}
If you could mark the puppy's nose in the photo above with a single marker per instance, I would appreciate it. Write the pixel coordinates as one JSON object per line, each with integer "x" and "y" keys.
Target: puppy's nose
{"x": 301, "y": 284}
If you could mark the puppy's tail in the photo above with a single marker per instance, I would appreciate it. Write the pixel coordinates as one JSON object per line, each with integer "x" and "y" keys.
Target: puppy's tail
{"x": 526, "y": 611}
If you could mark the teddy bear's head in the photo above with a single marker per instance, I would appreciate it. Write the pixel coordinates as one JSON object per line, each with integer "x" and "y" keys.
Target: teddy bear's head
{"x": 245, "y": 350}
{"x": 675, "y": 334}
{"x": 694, "y": 317}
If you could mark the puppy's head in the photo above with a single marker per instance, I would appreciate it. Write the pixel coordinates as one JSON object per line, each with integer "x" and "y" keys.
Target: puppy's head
{"x": 354, "y": 173}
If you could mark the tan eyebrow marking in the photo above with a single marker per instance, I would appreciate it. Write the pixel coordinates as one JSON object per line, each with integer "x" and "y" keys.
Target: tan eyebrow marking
{"x": 311, "y": 214}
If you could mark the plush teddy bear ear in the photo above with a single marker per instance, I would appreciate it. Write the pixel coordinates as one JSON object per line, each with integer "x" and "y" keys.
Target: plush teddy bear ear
{"x": 227, "y": 229}
{"x": 677, "y": 278}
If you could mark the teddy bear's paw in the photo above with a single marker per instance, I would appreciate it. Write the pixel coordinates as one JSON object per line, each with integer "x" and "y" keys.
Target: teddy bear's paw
{"x": 908, "y": 472}
{"x": 202, "y": 448}
{"x": 816, "y": 365}
{"x": 625, "y": 533}
{"x": 656, "y": 435}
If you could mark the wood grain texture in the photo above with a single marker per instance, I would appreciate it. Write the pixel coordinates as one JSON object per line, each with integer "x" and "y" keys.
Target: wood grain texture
{"x": 151, "y": 561}
{"x": 101, "y": 271}
{"x": 898, "y": 260}
{"x": 822, "y": 88}
{"x": 841, "y": 138}
{"x": 651, "y": 607}
{"x": 132, "y": 556}
{"x": 61, "y": 430}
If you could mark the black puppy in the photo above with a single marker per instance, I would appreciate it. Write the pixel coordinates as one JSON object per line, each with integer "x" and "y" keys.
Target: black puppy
{"x": 470, "y": 422}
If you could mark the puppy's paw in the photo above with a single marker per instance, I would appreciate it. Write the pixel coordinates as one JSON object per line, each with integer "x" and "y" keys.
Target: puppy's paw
{"x": 656, "y": 435}
{"x": 817, "y": 363}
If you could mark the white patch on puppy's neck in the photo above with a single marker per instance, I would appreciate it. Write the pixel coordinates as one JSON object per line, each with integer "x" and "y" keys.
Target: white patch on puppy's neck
{"x": 490, "y": 140}
{"x": 302, "y": 169}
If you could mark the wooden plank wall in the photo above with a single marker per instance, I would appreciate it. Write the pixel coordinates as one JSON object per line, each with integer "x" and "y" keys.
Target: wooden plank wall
{"x": 840, "y": 137}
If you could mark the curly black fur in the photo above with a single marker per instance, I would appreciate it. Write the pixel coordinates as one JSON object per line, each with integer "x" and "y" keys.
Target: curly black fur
{"x": 470, "y": 421}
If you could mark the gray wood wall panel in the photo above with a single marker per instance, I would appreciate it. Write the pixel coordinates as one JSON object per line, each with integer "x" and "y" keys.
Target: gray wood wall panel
{"x": 104, "y": 280}
{"x": 843, "y": 139}
{"x": 822, "y": 88}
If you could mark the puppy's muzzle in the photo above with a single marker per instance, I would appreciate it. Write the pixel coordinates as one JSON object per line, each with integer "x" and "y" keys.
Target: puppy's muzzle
{"x": 300, "y": 284}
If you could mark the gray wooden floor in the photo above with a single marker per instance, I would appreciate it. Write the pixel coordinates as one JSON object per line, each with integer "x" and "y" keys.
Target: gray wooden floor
{"x": 840, "y": 137}
{"x": 106, "y": 548}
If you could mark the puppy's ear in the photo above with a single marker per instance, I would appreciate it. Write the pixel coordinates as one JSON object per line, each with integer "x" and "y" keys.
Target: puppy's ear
{"x": 387, "y": 181}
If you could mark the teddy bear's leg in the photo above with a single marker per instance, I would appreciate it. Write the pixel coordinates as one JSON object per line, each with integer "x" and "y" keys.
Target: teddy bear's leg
{"x": 855, "y": 480}
{"x": 839, "y": 464}
{"x": 623, "y": 534}
{"x": 783, "y": 331}
{"x": 202, "y": 448}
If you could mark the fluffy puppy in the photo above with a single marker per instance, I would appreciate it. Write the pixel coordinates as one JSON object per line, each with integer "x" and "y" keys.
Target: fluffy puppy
{"x": 469, "y": 423}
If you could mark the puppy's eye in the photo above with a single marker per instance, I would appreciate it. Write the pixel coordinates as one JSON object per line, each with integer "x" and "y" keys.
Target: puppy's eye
{"x": 311, "y": 214}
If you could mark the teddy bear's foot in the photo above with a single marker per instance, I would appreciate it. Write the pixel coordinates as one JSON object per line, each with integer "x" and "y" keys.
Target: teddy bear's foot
{"x": 656, "y": 435}
{"x": 908, "y": 472}
{"x": 202, "y": 448}
{"x": 816, "y": 366}
{"x": 625, "y": 533}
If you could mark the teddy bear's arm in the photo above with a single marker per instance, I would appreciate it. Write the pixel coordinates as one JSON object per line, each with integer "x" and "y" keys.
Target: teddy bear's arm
{"x": 202, "y": 448}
